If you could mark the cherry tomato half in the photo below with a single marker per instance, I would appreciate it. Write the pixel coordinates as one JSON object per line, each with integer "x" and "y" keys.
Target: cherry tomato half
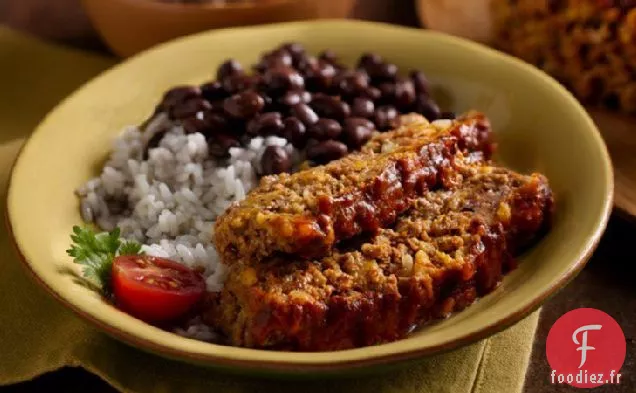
{"x": 155, "y": 289}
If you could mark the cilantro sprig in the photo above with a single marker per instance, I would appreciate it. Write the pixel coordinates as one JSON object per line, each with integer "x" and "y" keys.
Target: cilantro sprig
{"x": 96, "y": 252}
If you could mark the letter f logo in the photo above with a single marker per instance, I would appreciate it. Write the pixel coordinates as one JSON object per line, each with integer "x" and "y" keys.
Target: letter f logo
{"x": 584, "y": 347}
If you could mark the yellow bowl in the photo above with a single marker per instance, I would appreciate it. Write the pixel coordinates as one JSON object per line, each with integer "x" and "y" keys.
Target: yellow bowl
{"x": 539, "y": 125}
{"x": 130, "y": 26}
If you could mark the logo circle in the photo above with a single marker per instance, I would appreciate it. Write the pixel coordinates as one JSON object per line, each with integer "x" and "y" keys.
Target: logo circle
{"x": 585, "y": 348}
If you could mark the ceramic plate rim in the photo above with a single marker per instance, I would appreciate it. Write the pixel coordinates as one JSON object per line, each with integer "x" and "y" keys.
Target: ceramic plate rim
{"x": 326, "y": 361}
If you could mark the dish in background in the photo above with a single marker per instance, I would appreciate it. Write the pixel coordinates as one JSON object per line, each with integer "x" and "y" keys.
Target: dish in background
{"x": 468, "y": 19}
{"x": 618, "y": 132}
{"x": 532, "y": 129}
{"x": 595, "y": 26}
{"x": 213, "y": 2}
{"x": 130, "y": 26}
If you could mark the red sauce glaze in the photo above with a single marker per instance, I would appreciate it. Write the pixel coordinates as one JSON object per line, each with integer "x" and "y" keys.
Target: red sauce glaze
{"x": 378, "y": 204}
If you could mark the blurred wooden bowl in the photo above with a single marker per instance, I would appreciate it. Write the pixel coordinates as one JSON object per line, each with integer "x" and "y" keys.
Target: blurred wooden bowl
{"x": 130, "y": 26}
{"x": 470, "y": 19}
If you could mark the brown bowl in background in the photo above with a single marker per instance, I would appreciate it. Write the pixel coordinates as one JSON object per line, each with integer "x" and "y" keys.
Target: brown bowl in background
{"x": 130, "y": 26}
{"x": 470, "y": 19}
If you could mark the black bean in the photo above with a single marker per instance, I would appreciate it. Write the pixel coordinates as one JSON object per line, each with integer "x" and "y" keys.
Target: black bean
{"x": 305, "y": 114}
{"x": 361, "y": 121}
{"x": 281, "y": 79}
{"x": 217, "y": 106}
{"x": 216, "y": 122}
{"x": 280, "y": 56}
{"x": 427, "y": 107}
{"x": 325, "y": 129}
{"x": 206, "y": 123}
{"x": 386, "y": 117}
{"x": 260, "y": 67}
{"x": 296, "y": 50}
{"x": 153, "y": 142}
{"x": 329, "y": 56}
{"x": 295, "y": 132}
{"x": 228, "y": 68}
{"x": 343, "y": 111}
{"x": 387, "y": 91}
{"x": 270, "y": 104}
{"x": 179, "y": 94}
{"x": 362, "y": 107}
{"x": 213, "y": 91}
{"x": 350, "y": 83}
{"x": 158, "y": 108}
{"x": 294, "y": 97}
{"x": 270, "y": 123}
{"x": 194, "y": 124}
{"x": 420, "y": 82}
{"x": 253, "y": 126}
{"x": 277, "y": 58}
{"x": 325, "y": 151}
{"x": 244, "y": 105}
{"x": 245, "y": 139}
{"x": 275, "y": 160}
{"x": 220, "y": 144}
{"x": 330, "y": 107}
{"x": 311, "y": 143}
{"x": 238, "y": 82}
{"x": 372, "y": 93}
{"x": 189, "y": 108}
{"x": 404, "y": 93}
{"x": 306, "y": 62}
{"x": 385, "y": 72}
{"x": 319, "y": 77}
{"x": 357, "y": 131}
{"x": 369, "y": 60}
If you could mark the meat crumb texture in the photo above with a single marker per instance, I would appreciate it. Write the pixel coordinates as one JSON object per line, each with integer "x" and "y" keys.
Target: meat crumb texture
{"x": 308, "y": 212}
{"x": 588, "y": 45}
{"x": 448, "y": 248}
{"x": 361, "y": 251}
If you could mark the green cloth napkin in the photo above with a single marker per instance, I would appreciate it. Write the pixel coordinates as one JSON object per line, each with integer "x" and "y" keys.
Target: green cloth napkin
{"x": 38, "y": 335}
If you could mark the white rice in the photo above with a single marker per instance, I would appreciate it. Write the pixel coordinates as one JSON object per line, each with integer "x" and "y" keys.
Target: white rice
{"x": 169, "y": 201}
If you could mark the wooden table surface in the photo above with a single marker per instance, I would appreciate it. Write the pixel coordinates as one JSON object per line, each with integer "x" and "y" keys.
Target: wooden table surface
{"x": 607, "y": 282}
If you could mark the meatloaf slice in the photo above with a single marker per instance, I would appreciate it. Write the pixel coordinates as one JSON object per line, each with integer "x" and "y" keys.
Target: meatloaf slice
{"x": 306, "y": 213}
{"x": 449, "y": 248}
{"x": 474, "y": 137}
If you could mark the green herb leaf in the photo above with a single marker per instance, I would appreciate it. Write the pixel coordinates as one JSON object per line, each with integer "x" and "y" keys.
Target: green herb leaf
{"x": 96, "y": 252}
{"x": 130, "y": 248}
